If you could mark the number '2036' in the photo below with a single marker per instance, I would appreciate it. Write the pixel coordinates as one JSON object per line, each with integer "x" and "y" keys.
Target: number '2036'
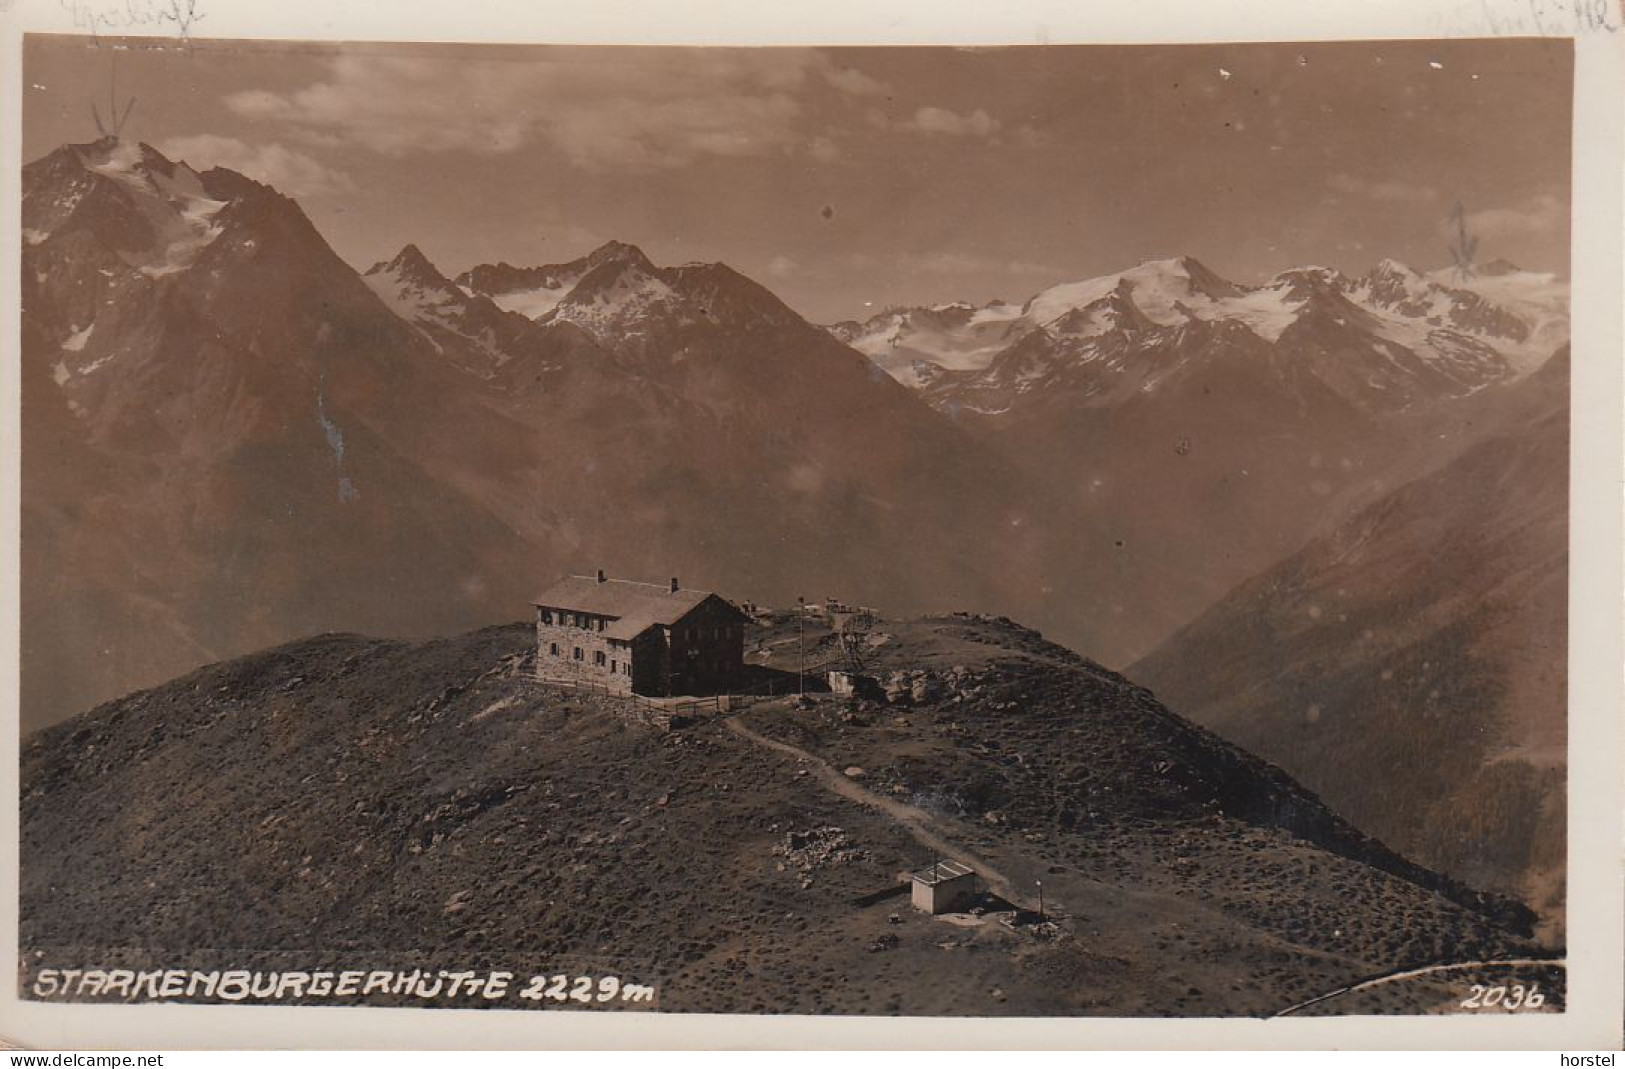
{"x": 1504, "y": 997}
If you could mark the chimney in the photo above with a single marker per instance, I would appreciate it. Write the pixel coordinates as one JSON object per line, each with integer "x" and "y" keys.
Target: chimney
{"x": 601, "y": 575}
{"x": 674, "y": 584}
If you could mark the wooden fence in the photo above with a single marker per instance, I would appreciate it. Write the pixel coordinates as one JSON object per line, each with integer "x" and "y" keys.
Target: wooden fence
{"x": 677, "y": 706}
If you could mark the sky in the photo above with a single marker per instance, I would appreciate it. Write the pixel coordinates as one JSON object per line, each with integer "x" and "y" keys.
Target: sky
{"x": 852, "y": 179}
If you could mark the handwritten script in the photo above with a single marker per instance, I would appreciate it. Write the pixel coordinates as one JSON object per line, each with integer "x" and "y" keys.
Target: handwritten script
{"x": 110, "y": 16}
{"x": 1539, "y": 18}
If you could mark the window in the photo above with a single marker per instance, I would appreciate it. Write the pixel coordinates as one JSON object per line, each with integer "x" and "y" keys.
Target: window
{"x": 628, "y": 667}
{"x": 553, "y": 648}
{"x": 598, "y": 658}
{"x": 547, "y": 616}
{"x": 578, "y": 653}
{"x": 612, "y": 669}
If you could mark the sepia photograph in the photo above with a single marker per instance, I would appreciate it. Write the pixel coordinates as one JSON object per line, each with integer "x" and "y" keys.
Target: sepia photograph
{"x": 1056, "y": 530}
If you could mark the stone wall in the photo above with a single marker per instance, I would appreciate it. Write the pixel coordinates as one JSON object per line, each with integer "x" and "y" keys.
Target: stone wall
{"x": 614, "y": 672}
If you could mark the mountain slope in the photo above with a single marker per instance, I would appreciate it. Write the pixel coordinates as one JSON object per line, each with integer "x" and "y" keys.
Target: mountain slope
{"x": 227, "y": 471}
{"x": 1409, "y": 665}
{"x": 383, "y": 801}
{"x": 250, "y": 442}
{"x": 727, "y": 439}
{"x": 417, "y": 292}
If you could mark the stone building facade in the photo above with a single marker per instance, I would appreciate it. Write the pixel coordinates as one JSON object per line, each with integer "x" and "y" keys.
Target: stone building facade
{"x": 639, "y": 638}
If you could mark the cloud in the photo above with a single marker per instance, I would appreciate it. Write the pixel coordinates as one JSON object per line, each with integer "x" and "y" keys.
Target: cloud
{"x": 1031, "y": 137}
{"x": 291, "y": 172}
{"x": 948, "y": 263}
{"x": 1388, "y": 192}
{"x": 854, "y": 82}
{"x": 1541, "y": 216}
{"x": 783, "y": 267}
{"x": 645, "y": 109}
{"x": 931, "y": 120}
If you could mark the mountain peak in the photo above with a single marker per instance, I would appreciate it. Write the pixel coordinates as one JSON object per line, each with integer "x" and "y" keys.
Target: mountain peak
{"x": 410, "y": 254}
{"x": 411, "y": 264}
{"x": 1389, "y": 266}
{"x": 133, "y": 162}
{"x": 618, "y": 252}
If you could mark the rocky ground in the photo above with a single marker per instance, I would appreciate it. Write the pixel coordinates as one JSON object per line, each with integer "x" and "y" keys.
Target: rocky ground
{"x": 378, "y": 805}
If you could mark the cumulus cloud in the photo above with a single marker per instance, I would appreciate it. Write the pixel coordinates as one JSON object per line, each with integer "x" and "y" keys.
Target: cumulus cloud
{"x": 783, "y": 267}
{"x": 932, "y": 120}
{"x": 854, "y": 82}
{"x": 1540, "y": 216}
{"x": 648, "y": 109}
{"x": 291, "y": 172}
{"x": 1386, "y": 191}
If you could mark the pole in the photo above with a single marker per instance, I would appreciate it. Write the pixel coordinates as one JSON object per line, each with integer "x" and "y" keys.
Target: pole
{"x": 801, "y": 658}
{"x": 1040, "y": 901}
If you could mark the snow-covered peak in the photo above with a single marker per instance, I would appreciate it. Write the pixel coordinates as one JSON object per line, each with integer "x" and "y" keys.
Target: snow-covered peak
{"x": 1164, "y": 290}
{"x": 155, "y": 213}
{"x": 1519, "y": 316}
{"x": 534, "y": 292}
{"x": 410, "y": 263}
{"x": 618, "y": 252}
{"x": 1389, "y": 266}
{"x": 1312, "y": 276}
{"x": 1115, "y": 311}
{"x": 413, "y": 287}
{"x": 466, "y": 328}
{"x": 609, "y": 296}
{"x": 1538, "y": 299}
{"x": 141, "y": 167}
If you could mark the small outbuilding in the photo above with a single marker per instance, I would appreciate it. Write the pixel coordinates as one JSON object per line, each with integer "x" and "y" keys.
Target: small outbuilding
{"x": 943, "y": 886}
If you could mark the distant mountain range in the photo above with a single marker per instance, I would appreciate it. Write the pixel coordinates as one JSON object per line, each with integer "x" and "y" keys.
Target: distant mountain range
{"x": 1387, "y": 338}
{"x": 231, "y": 438}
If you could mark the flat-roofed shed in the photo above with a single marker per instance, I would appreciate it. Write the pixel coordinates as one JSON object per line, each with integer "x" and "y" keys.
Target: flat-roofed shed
{"x": 943, "y": 886}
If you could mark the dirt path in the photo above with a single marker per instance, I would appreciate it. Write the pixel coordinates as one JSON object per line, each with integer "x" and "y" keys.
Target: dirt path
{"x": 1411, "y": 974}
{"x": 919, "y": 824}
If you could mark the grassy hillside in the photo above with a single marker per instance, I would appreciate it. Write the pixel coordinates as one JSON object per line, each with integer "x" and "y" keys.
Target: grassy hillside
{"x": 392, "y": 805}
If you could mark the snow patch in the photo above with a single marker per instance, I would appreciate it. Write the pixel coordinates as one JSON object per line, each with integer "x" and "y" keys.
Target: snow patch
{"x": 1267, "y": 312}
{"x": 76, "y": 340}
{"x": 632, "y": 294}
{"x": 407, "y": 299}
{"x": 176, "y": 207}
{"x": 534, "y": 303}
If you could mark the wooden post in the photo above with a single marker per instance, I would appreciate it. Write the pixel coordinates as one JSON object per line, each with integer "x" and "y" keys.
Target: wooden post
{"x": 801, "y": 657}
